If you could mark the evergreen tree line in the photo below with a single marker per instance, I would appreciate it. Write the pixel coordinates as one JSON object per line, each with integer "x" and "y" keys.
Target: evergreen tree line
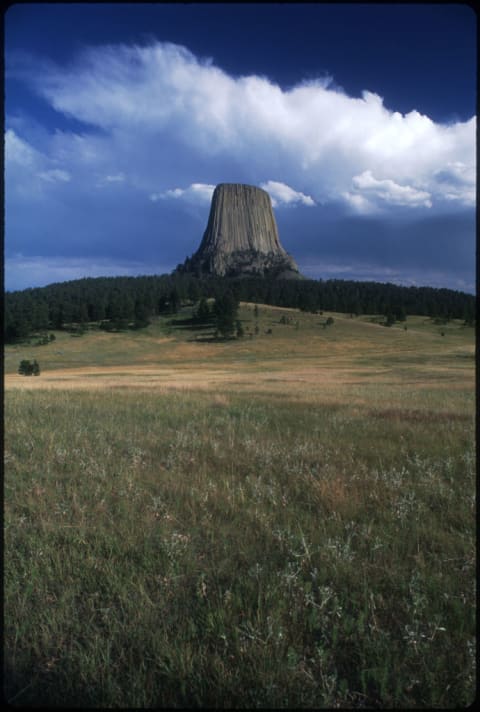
{"x": 129, "y": 302}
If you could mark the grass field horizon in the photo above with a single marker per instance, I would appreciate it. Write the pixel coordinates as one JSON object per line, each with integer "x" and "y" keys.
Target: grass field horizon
{"x": 281, "y": 520}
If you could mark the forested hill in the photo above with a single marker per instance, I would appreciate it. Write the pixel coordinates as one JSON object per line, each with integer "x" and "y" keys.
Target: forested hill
{"x": 133, "y": 300}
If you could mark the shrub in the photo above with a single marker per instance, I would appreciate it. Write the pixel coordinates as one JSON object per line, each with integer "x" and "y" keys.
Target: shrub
{"x": 29, "y": 368}
{"x": 139, "y": 324}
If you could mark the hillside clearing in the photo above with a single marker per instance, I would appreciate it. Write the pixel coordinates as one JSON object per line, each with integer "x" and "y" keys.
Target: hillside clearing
{"x": 298, "y": 359}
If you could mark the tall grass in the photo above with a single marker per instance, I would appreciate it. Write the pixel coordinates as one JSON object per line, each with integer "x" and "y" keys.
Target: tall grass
{"x": 191, "y": 549}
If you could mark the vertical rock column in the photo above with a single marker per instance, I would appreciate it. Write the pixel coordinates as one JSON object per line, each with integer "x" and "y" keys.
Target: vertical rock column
{"x": 241, "y": 227}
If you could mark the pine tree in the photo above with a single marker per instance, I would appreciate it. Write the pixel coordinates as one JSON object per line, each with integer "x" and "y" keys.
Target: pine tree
{"x": 390, "y": 318}
{"x": 174, "y": 301}
{"x": 225, "y": 310}
{"x": 24, "y": 368}
{"x": 29, "y": 368}
{"x": 202, "y": 314}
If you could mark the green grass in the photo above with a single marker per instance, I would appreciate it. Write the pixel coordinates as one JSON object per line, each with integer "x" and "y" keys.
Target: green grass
{"x": 246, "y": 549}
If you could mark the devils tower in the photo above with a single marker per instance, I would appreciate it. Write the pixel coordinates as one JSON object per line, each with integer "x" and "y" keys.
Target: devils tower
{"x": 241, "y": 238}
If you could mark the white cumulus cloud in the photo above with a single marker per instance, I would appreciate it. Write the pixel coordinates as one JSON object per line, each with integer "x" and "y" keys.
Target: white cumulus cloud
{"x": 456, "y": 182}
{"x": 152, "y": 96}
{"x": 388, "y": 191}
{"x": 30, "y": 172}
{"x": 117, "y": 178}
{"x": 55, "y": 174}
{"x": 18, "y": 151}
{"x": 196, "y": 193}
{"x": 281, "y": 194}
{"x": 111, "y": 180}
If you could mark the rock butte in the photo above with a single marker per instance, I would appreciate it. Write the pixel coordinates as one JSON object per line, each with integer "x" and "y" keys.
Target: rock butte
{"x": 241, "y": 238}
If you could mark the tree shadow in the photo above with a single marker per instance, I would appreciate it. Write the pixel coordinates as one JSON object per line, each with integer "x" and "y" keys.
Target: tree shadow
{"x": 211, "y": 339}
{"x": 189, "y": 324}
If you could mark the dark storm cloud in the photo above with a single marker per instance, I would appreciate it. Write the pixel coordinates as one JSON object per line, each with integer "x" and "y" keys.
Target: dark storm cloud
{"x": 427, "y": 249}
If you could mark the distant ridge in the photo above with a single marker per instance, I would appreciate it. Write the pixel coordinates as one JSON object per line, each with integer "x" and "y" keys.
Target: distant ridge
{"x": 241, "y": 238}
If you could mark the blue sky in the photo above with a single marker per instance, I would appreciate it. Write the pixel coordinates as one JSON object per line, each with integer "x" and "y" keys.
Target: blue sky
{"x": 359, "y": 120}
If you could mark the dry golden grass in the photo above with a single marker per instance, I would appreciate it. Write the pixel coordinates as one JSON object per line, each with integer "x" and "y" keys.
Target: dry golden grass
{"x": 354, "y": 361}
{"x": 285, "y": 376}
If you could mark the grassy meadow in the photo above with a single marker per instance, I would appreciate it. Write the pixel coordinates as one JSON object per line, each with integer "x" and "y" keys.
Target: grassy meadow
{"x": 283, "y": 520}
